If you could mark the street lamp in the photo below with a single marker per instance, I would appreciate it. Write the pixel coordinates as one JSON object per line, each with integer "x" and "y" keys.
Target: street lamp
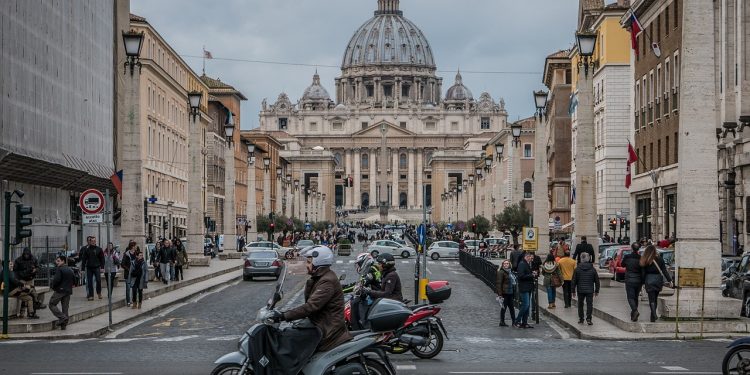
{"x": 194, "y": 100}
{"x": 250, "y": 152}
{"x": 499, "y": 148}
{"x": 133, "y": 43}
{"x": 488, "y": 163}
{"x": 296, "y": 184}
{"x": 266, "y": 163}
{"x": 515, "y": 130}
{"x": 540, "y": 100}
{"x": 279, "y": 171}
{"x": 478, "y": 172}
{"x": 729, "y": 127}
{"x": 229, "y": 127}
{"x": 471, "y": 179}
{"x": 586, "y": 41}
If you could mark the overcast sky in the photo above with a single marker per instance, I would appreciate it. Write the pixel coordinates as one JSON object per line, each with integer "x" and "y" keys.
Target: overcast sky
{"x": 475, "y": 35}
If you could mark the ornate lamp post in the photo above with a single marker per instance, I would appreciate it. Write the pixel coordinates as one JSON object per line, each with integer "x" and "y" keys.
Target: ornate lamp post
{"x": 133, "y": 42}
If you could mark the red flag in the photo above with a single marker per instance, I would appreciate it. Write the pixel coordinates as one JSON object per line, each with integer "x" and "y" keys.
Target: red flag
{"x": 632, "y": 158}
{"x": 635, "y": 29}
{"x": 116, "y": 179}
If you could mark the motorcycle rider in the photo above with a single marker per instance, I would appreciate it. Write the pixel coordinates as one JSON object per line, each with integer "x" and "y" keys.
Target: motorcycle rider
{"x": 390, "y": 285}
{"x": 369, "y": 277}
{"x": 324, "y": 300}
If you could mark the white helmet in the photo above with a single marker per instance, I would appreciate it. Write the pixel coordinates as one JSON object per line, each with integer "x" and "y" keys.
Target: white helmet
{"x": 321, "y": 256}
{"x": 361, "y": 258}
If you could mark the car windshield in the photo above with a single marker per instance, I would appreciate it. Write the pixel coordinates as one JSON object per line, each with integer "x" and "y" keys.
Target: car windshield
{"x": 262, "y": 255}
{"x": 305, "y": 243}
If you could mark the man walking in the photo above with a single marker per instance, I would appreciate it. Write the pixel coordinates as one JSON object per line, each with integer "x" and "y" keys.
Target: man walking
{"x": 586, "y": 284}
{"x": 584, "y": 247}
{"x": 567, "y": 267}
{"x": 127, "y": 260}
{"x": 62, "y": 287}
{"x": 525, "y": 287}
{"x": 165, "y": 261}
{"x": 92, "y": 259}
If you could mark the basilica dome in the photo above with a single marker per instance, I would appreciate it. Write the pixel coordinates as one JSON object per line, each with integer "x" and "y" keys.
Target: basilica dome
{"x": 388, "y": 39}
{"x": 316, "y": 91}
{"x": 458, "y": 91}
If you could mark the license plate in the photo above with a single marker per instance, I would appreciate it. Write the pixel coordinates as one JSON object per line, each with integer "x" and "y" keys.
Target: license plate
{"x": 261, "y": 264}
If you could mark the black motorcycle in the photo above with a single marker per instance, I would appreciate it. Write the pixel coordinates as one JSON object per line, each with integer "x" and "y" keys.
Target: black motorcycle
{"x": 737, "y": 359}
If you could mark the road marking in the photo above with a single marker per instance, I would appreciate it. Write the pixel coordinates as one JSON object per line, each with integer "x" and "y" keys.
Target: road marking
{"x": 69, "y": 341}
{"x": 122, "y": 340}
{"x": 685, "y": 372}
{"x": 674, "y": 368}
{"x": 351, "y": 261}
{"x": 720, "y": 340}
{"x": 225, "y": 338}
{"x": 13, "y": 342}
{"x": 406, "y": 367}
{"x": 478, "y": 340}
{"x": 505, "y": 372}
{"x": 404, "y": 261}
{"x": 76, "y": 373}
{"x": 339, "y": 261}
{"x": 444, "y": 263}
{"x": 176, "y": 338}
{"x": 529, "y": 341}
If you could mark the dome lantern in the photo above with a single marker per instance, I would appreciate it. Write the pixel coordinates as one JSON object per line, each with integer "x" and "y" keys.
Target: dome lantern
{"x": 388, "y": 7}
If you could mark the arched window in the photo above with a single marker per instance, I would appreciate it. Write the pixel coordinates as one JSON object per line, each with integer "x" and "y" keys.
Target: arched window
{"x": 365, "y": 161}
{"x": 527, "y": 192}
{"x": 337, "y": 158}
{"x": 402, "y": 161}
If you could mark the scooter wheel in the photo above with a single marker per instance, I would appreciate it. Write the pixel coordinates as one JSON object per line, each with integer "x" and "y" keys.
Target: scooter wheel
{"x": 375, "y": 368}
{"x": 736, "y": 361}
{"x": 433, "y": 346}
{"x": 230, "y": 369}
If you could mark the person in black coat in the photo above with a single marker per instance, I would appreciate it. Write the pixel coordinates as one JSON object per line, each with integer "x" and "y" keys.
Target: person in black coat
{"x": 586, "y": 284}
{"x": 92, "y": 260}
{"x": 633, "y": 279}
{"x": 526, "y": 285}
{"x": 62, "y": 288}
{"x": 654, "y": 274}
{"x": 584, "y": 247}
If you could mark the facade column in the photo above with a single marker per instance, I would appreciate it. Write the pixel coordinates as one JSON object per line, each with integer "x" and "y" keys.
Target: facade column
{"x": 347, "y": 172}
{"x": 410, "y": 196}
{"x": 420, "y": 181}
{"x": 195, "y": 230}
{"x": 373, "y": 178}
{"x": 252, "y": 208}
{"x": 278, "y": 208}
{"x": 133, "y": 222}
{"x": 357, "y": 194}
{"x": 541, "y": 203}
{"x": 394, "y": 186}
{"x": 230, "y": 216}
{"x": 585, "y": 205}
{"x": 267, "y": 192}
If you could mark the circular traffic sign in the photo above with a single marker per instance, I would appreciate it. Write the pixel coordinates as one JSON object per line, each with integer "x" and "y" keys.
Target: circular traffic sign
{"x": 91, "y": 201}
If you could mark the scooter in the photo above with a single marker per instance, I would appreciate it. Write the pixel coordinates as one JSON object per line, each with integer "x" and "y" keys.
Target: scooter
{"x": 267, "y": 349}
{"x": 737, "y": 359}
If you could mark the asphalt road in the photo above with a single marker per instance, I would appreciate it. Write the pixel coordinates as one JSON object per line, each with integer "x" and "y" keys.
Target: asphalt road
{"x": 188, "y": 338}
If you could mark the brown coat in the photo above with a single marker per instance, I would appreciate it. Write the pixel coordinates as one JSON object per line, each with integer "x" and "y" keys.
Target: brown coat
{"x": 324, "y": 306}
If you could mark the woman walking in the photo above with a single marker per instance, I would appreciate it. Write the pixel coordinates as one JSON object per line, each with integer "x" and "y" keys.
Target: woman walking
{"x": 182, "y": 260}
{"x": 552, "y": 279}
{"x": 139, "y": 277}
{"x": 111, "y": 263}
{"x": 655, "y": 272}
{"x": 633, "y": 279}
{"x": 506, "y": 287}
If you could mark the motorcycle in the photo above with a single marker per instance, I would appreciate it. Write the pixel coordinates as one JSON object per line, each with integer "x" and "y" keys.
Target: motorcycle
{"x": 737, "y": 359}
{"x": 268, "y": 349}
{"x": 423, "y": 322}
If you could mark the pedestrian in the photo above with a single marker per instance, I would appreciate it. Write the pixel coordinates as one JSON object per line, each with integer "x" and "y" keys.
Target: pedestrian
{"x": 584, "y": 247}
{"x": 111, "y": 264}
{"x": 165, "y": 259}
{"x": 181, "y": 260}
{"x": 172, "y": 259}
{"x": 92, "y": 260}
{"x": 516, "y": 256}
{"x": 586, "y": 284}
{"x": 25, "y": 269}
{"x": 139, "y": 276}
{"x": 567, "y": 266}
{"x": 552, "y": 279}
{"x": 127, "y": 260}
{"x": 633, "y": 279}
{"x": 655, "y": 273}
{"x": 154, "y": 259}
{"x": 62, "y": 289}
{"x": 506, "y": 287}
{"x": 526, "y": 285}
{"x": 22, "y": 292}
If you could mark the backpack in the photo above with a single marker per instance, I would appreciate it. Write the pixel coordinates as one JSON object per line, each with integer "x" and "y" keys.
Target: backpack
{"x": 556, "y": 280}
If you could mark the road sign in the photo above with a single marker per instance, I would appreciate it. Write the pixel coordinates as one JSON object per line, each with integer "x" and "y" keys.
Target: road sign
{"x": 308, "y": 227}
{"x": 92, "y": 218}
{"x": 691, "y": 277}
{"x": 421, "y": 233}
{"x": 449, "y": 226}
{"x": 152, "y": 199}
{"x": 91, "y": 201}
{"x": 530, "y": 239}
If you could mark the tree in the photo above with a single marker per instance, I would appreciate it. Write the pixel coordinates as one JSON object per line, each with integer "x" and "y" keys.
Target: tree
{"x": 483, "y": 225}
{"x": 262, "y": 222}
{"x": 512, "y": 219}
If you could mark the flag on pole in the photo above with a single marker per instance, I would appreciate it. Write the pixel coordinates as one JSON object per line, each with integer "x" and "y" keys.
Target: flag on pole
{"x": 116, "y": 179}
{"x": 635, "y": 30}
{"x": 632, "y": 158}
{"x": 207, "y": 55}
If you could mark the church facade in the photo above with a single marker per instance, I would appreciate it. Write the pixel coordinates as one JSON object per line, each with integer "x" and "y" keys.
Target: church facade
{"x": 387, "y": 95}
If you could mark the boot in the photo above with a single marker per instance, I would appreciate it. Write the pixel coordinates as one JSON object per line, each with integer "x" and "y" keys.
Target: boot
{"x": 653, "y": 311}
{"x": 139, "y": 305}
{"x": 552, "y": 306}
{"x": 135, "y": 305}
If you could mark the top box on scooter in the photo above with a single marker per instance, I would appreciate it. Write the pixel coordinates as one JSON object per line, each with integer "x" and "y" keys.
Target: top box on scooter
{"x": 388, "y": 315}
{"x": 438, "y": 291}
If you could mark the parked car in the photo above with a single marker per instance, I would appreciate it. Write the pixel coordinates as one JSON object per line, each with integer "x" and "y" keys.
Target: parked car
{"x": 266, "y": 245}
{"x": 391, "y": 247}
{"x": 605, "y": 246}
{"x": 443, "y": 249}
{"x": 472, "y": 245}
{"x": 496, "y": 241}
{"x": 262, "y": 263}
{"x": 615, "y": 265}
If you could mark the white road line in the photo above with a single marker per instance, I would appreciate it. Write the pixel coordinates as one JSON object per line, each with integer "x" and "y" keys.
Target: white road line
{"x": 176, "y": 338}
{"x": 404, "y": 261}
{"x": 76, "y": 373}
{"x": 14, "y": 342}
{"x": 478, "y": 340}
{"x": 225, "y": 338}
{"x": 720, "y": 340}
{"x": 533, "y": 341}
{"x": 339, "y": 261}
{"x": 351, "y": 261}
{"x": 674, "y": 368}
{"x": 123, "y": 340}
{"x": 685, "y": 373}
{"x": 405, "y": 367}
{"x": 444, "y": 263}
{"x": 69, "y": 341}
{"x": 505, "y": 372}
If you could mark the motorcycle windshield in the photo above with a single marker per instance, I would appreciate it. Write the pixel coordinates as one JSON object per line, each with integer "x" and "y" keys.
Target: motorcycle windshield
{"x": 282, "y": 351}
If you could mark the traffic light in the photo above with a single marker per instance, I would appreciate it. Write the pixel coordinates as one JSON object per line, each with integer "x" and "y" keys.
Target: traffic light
{"x": 272, "y": 227}
{"x": 346, "y": 182}
{"x": 474, "y": 227}
{"x": 21, "y": 222}
{"x": 627, "y": 224}
{"x": 613, "y": 224}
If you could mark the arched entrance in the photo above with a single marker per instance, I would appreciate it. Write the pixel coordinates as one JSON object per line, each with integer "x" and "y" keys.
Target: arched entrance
{"x": 365, "y": 200}
{"x": 402, "y": 200}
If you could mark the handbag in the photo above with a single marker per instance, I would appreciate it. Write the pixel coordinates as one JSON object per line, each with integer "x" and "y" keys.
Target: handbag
{"x": 555, "y": 280}
{"x": 668, "y": 284}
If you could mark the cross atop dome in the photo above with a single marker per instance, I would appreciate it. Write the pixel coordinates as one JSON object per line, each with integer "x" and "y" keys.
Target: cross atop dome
{"x": 388, "y": 7}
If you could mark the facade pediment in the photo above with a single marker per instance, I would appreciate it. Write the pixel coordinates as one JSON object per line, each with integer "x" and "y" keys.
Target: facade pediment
{"x": 375, "y": 131}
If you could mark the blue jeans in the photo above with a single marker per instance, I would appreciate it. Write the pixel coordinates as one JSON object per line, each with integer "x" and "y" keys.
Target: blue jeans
{"x": 93, "y": 275}
{"x": 128, "y": 285}
{"x": 523, "y": 312}
{"x": 551, "y": 294}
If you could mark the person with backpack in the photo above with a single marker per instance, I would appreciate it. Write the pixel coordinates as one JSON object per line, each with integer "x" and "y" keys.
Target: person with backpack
{"x": 552, "y": 279}
{"x": 139, "y": 277}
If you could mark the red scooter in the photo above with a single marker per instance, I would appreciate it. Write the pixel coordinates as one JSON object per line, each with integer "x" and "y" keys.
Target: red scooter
{"x": 423, "y": 322}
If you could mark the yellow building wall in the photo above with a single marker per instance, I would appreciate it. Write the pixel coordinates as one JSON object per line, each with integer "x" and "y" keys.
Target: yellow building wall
{"x": 612, "y": 46}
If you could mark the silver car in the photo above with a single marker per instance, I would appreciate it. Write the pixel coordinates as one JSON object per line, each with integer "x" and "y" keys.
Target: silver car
{"x": 266, "y": 245}
{"x": 391, "y": 247}
{"x": 443, "y": 249}
{"x": 262, "y": 263}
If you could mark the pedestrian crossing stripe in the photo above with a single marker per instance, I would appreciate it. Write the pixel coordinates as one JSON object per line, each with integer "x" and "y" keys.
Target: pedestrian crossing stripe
{"x": 339, "y": 261}
{"x": 12, "y": 342}
{"x": 122, "y": 340}
{"x": 176, "y": 338}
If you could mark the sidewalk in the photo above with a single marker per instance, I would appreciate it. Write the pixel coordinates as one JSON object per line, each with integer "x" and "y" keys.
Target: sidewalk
{"x": 91, "y": 318}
